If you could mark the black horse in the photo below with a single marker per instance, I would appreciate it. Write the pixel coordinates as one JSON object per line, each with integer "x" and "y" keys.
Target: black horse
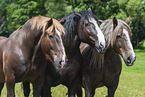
{"x": 79, "y": 27}
{"x": 104, "y": 69}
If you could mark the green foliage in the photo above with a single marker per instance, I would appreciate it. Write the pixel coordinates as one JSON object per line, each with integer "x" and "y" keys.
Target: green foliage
{"x": 3, "y": 21}
{"x": 121, "y": 15}
{"x": 136, "y": 9}
{"x": 18, "y": 14}
{"x": 55, "y": 8}
{"x": 15, "y": 13}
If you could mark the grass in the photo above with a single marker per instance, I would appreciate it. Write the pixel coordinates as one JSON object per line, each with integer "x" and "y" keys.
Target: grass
{"x": 132, "y": 82}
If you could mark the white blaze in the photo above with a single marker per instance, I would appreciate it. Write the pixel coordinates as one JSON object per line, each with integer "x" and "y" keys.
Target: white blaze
{"x": 100, "y": 35}
{"x": 129, "y": 42}
{"x": 63, "y": 49}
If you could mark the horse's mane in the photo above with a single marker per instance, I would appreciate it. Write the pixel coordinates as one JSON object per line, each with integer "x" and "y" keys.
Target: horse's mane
{"x": 57, "y": 25}
{"x": 110, "y": 33}
{"x": 17, "y": 29}
{"x": 39, "y": 23}
{"x": 97, "y": 60}
{"x": 70, "y": 26}
{"x": 87, "y": 13}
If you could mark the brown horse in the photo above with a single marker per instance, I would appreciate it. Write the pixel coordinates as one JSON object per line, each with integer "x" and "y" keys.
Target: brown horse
{"x": 79, "y": 27}
{"x": 22, "y": 55}
{"x": 104, "y": 69}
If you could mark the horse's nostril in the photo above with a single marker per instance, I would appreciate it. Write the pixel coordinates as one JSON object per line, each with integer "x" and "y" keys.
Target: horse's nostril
{"x": 129, "y": 59}
{"x": 62, "y": 63}
{"x": 101, "y": 45}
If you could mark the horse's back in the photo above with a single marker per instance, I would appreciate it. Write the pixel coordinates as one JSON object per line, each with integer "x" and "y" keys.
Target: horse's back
{"x": 2, "y": 37}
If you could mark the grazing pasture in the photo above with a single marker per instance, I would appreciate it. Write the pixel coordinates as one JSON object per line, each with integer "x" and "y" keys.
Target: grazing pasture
{"x": 132, "y": 82}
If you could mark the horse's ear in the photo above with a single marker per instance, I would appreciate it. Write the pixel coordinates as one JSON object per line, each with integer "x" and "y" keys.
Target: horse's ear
{"x": 115, "y": 22}
{"x": 128, "y": 21}
{"x": 48, "y": 24}
{"x": 76, "y": 13}
{"x": 89, "y": 9}
{"x": 62, "y": 21}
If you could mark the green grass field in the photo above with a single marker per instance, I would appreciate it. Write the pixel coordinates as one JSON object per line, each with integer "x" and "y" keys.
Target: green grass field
{"x": 132, "y": 82}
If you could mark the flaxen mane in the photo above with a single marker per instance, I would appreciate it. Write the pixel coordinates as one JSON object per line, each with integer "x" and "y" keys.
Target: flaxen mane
{"x": 40, "y": 23}
{"x": 110, "y": 36}
{"x": 97, "y": 60}
{"x": 56, "y": 25}
{"x": 110, "y": 33}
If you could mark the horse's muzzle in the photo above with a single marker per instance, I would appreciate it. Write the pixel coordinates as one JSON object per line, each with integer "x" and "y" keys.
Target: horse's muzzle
{"x": 130, "y": 61}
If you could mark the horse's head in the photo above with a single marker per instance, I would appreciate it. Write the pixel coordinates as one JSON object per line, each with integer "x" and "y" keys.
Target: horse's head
{"x": 123, "y": 44}
{"x": 89, "y": 31}
{"x": 52, "y": 43}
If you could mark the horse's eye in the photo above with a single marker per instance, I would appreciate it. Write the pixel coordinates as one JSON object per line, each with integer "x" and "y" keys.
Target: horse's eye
{"x": 50, "y": 36}
{"x": 87, "y": 24}
{"x": 118, "y": 36}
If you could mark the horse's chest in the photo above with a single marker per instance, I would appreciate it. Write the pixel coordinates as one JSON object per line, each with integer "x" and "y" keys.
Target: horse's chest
{"x": 2, "y": 76}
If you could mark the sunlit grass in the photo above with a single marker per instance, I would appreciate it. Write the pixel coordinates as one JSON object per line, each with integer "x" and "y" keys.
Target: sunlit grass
{"x": 132, "y": 82}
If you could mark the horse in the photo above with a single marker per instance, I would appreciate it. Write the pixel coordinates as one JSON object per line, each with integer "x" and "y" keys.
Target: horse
{"x": 22, "y": 54}
{"x": 104, "y": 69}
{"x": 79, "y": 27}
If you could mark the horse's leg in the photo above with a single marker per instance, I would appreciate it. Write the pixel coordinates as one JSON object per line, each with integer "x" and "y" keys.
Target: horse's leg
{"x": 112, "y": 88}
{"x": 87, "y": 92}
{"x": 26, "y": 88}
{"x": 46, "y": 89}
{"x": 37, "y": 86}
{"x": 79, "y": 92}
{"x": 1, "y": 87}
{"x": 86, "y": 83}
{"x": 71, "y": 91}
{"x": 92, "y": 92}
{"x": 10, "y": 83}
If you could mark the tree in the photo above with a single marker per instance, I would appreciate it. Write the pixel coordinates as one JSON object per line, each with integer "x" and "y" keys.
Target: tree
{"x": 56, "y": 8}
{"x": 19, "y": 12}
{"x": 15, "y": 13}
{"x": 3, "y": 18}
{"x": 136, "y": 9}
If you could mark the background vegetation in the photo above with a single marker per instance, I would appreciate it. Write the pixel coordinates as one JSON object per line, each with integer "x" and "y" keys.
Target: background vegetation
{"x": 14, "y": 13}
{"x": 132, "y": 82}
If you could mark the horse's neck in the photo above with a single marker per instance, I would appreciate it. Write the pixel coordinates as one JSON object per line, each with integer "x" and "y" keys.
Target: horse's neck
{"x": 31, "y": 36}
{"x": 92, "y": 58}
{"x": 38, "y": 56}
{"x": 72, "y": 45}
{"x": 26, "y": 40}
{"x": 109, "y": 52}
{"x": 71, "y": 39}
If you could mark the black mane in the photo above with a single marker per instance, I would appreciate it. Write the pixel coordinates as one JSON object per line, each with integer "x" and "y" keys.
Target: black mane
{"x": 71, "y": 39}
